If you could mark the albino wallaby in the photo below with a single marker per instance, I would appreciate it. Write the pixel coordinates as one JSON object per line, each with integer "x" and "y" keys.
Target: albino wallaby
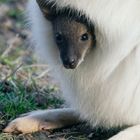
{"x": 104, "y": 89}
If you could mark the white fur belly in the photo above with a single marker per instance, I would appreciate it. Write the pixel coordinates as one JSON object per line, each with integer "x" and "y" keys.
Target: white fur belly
{"x": 113, "y": 102}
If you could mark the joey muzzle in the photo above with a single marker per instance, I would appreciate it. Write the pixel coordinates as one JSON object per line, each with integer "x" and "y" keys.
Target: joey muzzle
{"x": 69, "y": 62}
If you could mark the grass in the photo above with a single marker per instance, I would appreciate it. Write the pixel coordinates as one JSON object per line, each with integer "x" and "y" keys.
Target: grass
{"x": 20, "y": 91}
{"x": 17, "y": 99}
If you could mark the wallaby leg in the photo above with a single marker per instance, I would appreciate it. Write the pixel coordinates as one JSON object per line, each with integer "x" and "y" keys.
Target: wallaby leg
{"x": 131, "y": 133}
{"x": 43, "y": 120}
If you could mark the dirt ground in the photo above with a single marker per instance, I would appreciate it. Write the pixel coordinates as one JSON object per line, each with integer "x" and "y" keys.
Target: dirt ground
{"x": 16, "y": 51}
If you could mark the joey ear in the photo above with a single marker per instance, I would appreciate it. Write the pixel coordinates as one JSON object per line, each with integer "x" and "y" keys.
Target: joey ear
{"x": 46, "y": 8}
{"x": 48, "y": 14}
{"x": 92, "y": 30}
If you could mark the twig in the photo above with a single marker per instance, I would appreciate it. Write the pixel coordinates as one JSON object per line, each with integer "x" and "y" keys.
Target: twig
{"x": 10, "y": 47}
{"x": 12, "y": 73}
{"x": 35, "y": 65}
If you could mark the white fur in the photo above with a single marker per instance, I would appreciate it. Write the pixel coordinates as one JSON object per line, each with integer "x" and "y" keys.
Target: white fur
{"x": 105, "y": 88}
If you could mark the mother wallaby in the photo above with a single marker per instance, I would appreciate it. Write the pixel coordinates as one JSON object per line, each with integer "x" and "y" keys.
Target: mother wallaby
{"x": 102, "y": 83}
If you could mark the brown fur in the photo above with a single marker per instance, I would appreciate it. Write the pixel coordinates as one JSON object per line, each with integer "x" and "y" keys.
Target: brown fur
{"x": 77, "y": 39}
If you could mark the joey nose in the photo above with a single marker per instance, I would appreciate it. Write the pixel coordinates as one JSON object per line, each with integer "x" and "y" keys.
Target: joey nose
{"x": 70, "y": 63}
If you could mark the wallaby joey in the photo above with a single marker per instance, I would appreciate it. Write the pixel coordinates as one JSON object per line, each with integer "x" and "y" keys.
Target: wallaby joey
{"x": 74, "y": 40}
{"x": 74, "y": 36}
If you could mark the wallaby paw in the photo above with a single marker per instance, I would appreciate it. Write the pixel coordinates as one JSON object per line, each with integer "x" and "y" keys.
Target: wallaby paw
{"x": 32, "y": 122}
{"x": 22, "y": 125}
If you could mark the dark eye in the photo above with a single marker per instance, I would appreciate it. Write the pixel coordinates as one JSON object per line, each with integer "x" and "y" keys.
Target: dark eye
{"x": 84, "y": 37}
{"x": 59, "y": 37}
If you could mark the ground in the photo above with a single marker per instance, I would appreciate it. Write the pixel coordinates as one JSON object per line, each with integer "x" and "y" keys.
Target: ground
{"x": 26, "y": 85}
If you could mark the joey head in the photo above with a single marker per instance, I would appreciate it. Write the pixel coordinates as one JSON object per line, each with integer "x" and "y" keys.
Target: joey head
{"x": 74, "y": 36}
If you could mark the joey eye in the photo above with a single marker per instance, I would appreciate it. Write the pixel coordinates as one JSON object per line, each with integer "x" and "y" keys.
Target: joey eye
{"x": 84, "y": 37}
{"x": 59, "y": 37}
